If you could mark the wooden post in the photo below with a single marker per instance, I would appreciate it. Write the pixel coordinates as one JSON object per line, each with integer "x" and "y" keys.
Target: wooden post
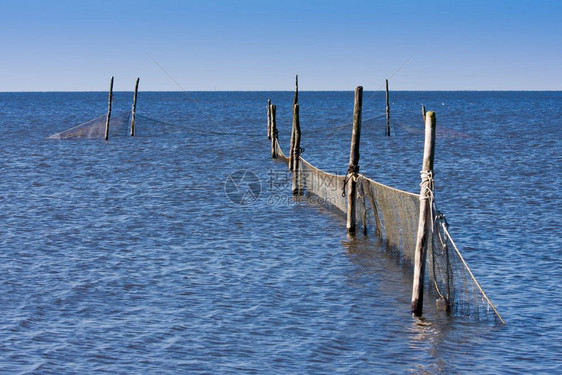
{"x": 296, "y": 149}
{"x": 423, "y": 112}
{"x": 292, "y": 144}
{"x": 296, "y": 99}
{"x": 134, "y": 108}
{"x": 268, "y": 119}
{"x": 109, "y": 109}
{"x": 353, "y": 168}
{"x": 425, "y": 221}
{"x": 273, "y": 132}
{"x": 387, "y": 111}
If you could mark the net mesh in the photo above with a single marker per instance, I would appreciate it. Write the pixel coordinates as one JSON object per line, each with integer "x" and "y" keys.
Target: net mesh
{"x": 327, "y": 187}
{"x": 95, "y": 128}
{"x": 451, "y": 279}
{"x": 394, "y": 214}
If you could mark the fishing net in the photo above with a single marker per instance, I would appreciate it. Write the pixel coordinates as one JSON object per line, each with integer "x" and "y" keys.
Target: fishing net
{"x": 393, "y": 215}
{"x": 326, "y": 187}
{"x": 278, "y": 152}
{"x": 450, "y": 277}
{"x": 119, "y": 125}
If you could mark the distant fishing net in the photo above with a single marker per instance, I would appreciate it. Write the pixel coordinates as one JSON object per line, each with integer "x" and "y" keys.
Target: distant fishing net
{"x": 120, "y": 126}
{"x": 95, "y": 128}
{"x": 394, "y": 216}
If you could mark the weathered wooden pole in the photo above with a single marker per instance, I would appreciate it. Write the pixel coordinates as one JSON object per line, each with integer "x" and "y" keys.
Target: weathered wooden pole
{"x": 109, "y": 109}
{"x": 296, "y": 99}
{"x": 292, "y": 144}
{"x": 274, "y": 139}
{"x": 296, "y": 150}
{"x": 425, "y": 221}
{"x": 387, "y": 111}
{"x": 268, "y": 119}
{"x": 134, "y": 108}
{"x": 353, "y": 168}
{"x": 423, "y": 112}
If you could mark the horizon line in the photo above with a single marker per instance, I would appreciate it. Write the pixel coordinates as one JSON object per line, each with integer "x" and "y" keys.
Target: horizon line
{"x": 381, "y": 90}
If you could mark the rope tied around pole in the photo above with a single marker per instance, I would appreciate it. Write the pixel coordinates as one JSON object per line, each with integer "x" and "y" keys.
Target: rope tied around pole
{"x": 427, "y": 186}
{"x": 352, "y": 172}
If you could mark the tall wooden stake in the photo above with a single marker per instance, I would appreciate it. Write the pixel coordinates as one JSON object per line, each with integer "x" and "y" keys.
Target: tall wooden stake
{"x": 109, "y": 109}
{"x": 296, "y": 99}
{"x": 274, "y": 139}
{"x": 134, "y": 108}
{"x": 292, "y": 144}
{"x": 296, "y": 150}
{"x": 423, "y": 112}
{"x": 387, "y": 111}
{"x": 425, "y": 221}
{"x": 353, "y": 168}
{"x": 268, "y": 119}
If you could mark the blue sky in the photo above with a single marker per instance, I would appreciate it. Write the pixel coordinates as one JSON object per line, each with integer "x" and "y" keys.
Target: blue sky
{"x": 64, "y": 45}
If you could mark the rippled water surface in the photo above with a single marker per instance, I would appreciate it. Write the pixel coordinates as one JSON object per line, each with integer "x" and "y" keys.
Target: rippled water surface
{"x": 128, "y": 256}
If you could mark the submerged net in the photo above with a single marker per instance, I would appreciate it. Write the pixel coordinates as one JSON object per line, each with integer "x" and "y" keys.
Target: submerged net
{"x": 394, "y": 214}
{"x": 118, "y": 125}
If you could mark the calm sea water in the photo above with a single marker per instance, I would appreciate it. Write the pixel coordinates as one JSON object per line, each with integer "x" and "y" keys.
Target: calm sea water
{"x": 129, "y": 256}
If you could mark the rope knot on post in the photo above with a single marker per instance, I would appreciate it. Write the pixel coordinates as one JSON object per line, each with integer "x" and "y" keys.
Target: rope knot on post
{"x": 351, "y": 174}
{"x": 426, "y": 185}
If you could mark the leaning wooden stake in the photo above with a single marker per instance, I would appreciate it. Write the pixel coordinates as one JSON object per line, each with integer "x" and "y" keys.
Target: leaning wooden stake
{"x": 387, "y": 111}
{"x": 353, "y": 168}
{"x": 274, "y": 139}
{"x": 425, "y": 221}
{"x": 295, "y": 152}
{"x": 109, "y": 109}
{"x": 134, "y": 108}
{"x": 268, "y": 119}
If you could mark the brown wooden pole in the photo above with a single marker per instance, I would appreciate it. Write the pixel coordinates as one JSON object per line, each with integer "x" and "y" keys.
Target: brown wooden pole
{"x": 387, "y": 111}
{"x": 296, "y": 99}
{"x": 268, "y": 119}
{"x": 423, "y": 112}
{"x": 353, "y": 168}
{"x": 109, "y": 109}
{"x": 296, "y": 150}
{"x": 134, "y": 108}
{"x": 274, "y": 139}
{"x": 292, "y": 144}
{"x": 425, "y": 221}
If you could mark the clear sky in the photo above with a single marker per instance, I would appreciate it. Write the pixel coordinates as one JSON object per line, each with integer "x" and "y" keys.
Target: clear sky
{"x": 77, "y": 45}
